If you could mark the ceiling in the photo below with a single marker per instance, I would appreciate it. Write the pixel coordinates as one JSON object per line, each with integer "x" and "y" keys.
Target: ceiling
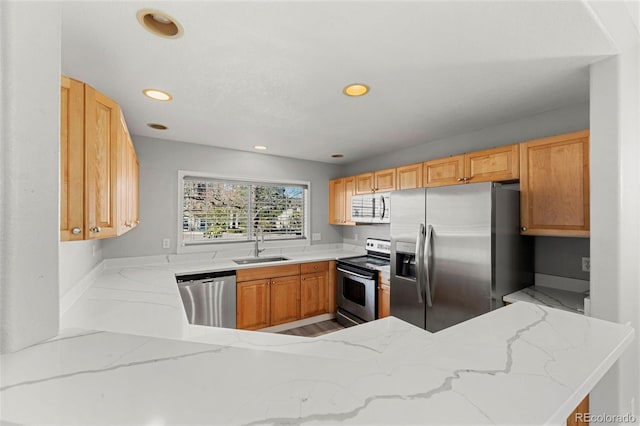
{"x": 272, "y": 72}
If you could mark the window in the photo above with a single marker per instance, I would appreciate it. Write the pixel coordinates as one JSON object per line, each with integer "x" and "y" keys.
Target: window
{"x": 216, "y": 210}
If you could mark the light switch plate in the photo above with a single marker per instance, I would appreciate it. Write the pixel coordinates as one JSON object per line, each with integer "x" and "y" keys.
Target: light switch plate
{"x": 166, "y": 243}
{"x": 586, "y": 264}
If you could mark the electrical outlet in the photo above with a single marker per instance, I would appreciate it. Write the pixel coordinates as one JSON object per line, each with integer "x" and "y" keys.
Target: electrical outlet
{"x": 316, "y": 236}
{"x": 166, "y": 243}
{"x": 586, "y": 264}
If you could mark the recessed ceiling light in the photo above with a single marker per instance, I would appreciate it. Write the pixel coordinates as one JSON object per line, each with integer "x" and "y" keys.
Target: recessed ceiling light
{"x": 156, "y": 94}
{"x": 260, "y": 147}
{"x": 356, "y": 89}
{"x": 337, "y": 155}
{"x": 159, "y": 23}
{"x": 157, "y": 126}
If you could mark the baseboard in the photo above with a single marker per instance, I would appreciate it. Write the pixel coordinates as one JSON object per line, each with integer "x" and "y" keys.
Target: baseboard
{"x": 72, "y": 296}
{"x": 299, "y": 323}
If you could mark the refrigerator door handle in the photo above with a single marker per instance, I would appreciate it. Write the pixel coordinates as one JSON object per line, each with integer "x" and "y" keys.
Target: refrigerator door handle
{"x": 426, "y": 252}
{"x": 420, "y": 260}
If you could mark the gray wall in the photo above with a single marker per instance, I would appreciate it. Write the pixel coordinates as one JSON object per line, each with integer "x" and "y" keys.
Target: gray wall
{"x": 561, "y": 256}
{"x": 562, "y": 120}
{"x": 160, "y": 161}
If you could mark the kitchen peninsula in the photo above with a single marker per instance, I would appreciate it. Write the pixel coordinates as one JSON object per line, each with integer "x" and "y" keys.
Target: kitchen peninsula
{"x": 521, "y": 364}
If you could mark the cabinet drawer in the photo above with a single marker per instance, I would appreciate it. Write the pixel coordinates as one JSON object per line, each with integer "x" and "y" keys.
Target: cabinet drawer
{"x": 308, "y": 268}
{"x": 267, "y": 272}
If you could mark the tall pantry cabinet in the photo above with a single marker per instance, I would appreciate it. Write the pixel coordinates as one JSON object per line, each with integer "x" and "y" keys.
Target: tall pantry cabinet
{"x": 98, "y": 166}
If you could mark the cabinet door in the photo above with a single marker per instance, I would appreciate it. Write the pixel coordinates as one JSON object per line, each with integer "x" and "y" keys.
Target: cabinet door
{"x": 336, "y": 201}
{"x": 554, "y": 185}
{"x": 101, "y": 158}
{"x": 409, "y": 177}
{"x": 349, "y": 191}
{"x": 365, "y": 183}
{"x": 384, "y": 300}
{"x": 313, "y": 294}
{"x": 492, "y": 165}
{"x": 252, "y": 304}
{"x": 285, "y": 299}
{"x": 135, "y": 189}
{"x": 71, "y": 159}
{"x": 444, "y": 171}
{"x": 385, "y": 180}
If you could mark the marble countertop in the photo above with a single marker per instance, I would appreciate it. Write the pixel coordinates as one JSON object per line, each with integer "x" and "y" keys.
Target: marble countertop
{"x": 126, "y": 355}
{"x": 560, "y": 299}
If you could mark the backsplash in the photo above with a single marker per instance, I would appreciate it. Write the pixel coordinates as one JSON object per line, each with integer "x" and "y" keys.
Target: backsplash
{"x": 561, "y": 256}
{"x": 357, "y": 235}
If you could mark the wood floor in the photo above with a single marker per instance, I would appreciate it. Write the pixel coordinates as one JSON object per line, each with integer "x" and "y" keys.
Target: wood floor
{"x": 314, "y": 330}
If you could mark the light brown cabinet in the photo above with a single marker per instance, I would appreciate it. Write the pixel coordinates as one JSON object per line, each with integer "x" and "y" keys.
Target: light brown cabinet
{"x": 94, "y": 165}
{"x": 384, "y": 297}
{"x": 253, "y": 304}
{"x": 579, "y": 416}
{"x": 128, "y": 175}
{"x": 443, "y": 171}
{"x": 554, "y": 185}
{"x": 409, "y": 177}
{"x": 71, "y": 160}
{"x": 381, "y": 180}
{"x": 267, "y": 296}
{"x": 314, "y": 289}
{"x": 490, "y": 165}
{"x": 340, "y": 192}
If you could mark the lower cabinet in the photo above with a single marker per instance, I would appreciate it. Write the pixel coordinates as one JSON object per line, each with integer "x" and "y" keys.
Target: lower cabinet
{"x": 384, "y": 297}
{"x": 314, "y": 289}
{"x": 274, "y": 295}
{"x": 253, "y": 304}
{"x": 579, "y": 415}
{"x": 285, "y": 299}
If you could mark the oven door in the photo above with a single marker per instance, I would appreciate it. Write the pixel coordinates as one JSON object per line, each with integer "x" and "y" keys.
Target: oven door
{"x": 357, "y": 293}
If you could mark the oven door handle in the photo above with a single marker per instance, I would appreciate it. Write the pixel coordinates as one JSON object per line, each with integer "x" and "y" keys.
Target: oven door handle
{"x": 366, "y": 277}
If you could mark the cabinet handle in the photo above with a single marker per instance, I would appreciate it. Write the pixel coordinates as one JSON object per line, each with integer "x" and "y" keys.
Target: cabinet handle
{"x": 76, "y": 231}
{"x": 460, "y": 179}
{"x": 315, "y": 267}
{"x": 524, "y": 228}
{"x": 95, "y": 229}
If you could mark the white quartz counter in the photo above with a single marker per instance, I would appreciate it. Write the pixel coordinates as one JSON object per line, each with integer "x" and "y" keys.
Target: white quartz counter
{"x": 571, "y": 301}
{"x": 127, "y": 356}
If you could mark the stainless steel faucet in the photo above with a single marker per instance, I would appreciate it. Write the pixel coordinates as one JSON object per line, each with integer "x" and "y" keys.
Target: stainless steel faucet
{"x": 258, "y": 250}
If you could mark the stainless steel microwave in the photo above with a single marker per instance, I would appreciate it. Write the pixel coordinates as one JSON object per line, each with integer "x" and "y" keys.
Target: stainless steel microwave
{"x": 371, "y": 208}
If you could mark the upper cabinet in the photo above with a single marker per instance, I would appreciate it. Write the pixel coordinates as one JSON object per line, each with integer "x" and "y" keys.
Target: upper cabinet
{"x": 99, "y": 168}
{"x": 443, "y": 171}
{"x": 71, "y": 160}
{"x": 490, "y": 165}
{"x": 340, "y": 192}
{"x": 554, "y": 185}
{"x": 409, "y": 177}
{"x": 382, "y": 180}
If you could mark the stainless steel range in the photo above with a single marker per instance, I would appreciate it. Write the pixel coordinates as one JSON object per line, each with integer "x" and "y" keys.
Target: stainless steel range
{"x": 357, "y": 282}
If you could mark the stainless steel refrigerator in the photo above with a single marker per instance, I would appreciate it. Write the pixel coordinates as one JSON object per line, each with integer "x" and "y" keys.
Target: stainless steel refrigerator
{"x": 455, "y": 251}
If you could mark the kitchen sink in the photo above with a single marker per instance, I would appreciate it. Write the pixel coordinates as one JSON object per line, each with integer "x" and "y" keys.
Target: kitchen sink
{"x": 250, "y": 260}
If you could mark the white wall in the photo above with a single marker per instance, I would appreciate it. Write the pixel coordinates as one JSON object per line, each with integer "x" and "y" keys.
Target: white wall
{"x": 160, "y": 161}
{"x": 562, "y": 120}
{"x": 615, "y": 218}
{"x": 77, "y": 259}
{"x": 30, "y": 173}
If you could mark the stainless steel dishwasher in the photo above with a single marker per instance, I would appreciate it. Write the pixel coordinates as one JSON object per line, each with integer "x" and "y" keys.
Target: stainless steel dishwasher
{"x": 209, "y": 298}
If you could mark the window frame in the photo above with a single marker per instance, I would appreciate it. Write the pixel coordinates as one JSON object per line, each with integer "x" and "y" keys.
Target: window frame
{"x": 209, "y": 246}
